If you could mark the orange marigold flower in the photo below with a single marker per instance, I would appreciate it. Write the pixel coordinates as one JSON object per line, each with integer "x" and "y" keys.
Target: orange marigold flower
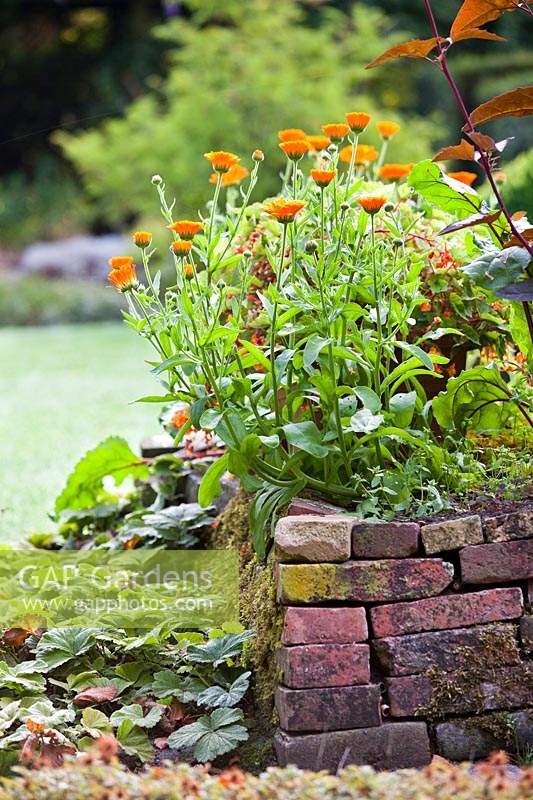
{"x": 120, "y": 261}
{"x": 187, "y": 228}
{"x": 387, "y": 129}
{"x": 188, "y": 269}
{"x": 463, "y": 177}
{"x": 319, "y": 143}
{"x": 323, "y": 177}
{"x": 291, "y": 134}
{"x": 336, "y": 131}
{"x": 425, "y": 306}
{"x": 357, "y": 120}
{"x": 124, "y": 278}
{"x": 235, "y": 174}
{"x": 179, "y": 418}
{"x": 364, "y": 154}
{"x": 500, "y": 177}
{"x": 181, "y": 247}
{"x": 393, "y": 172}
{"x": 283, "y": 210}
{"x": 372, "y": 204}
{"x": 142, "y": 239}
{"x": 295, "y": 149}
{"x": 221, "y": 161}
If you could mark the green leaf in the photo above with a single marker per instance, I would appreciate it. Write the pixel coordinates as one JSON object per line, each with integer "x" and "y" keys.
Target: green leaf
{"x": 218, "y": 651}
{"x": 210, "y": 419}
{"x": 402, "y": 407}
{"x": 22, "y": 678}
{"x": 211, "y": 736}
{"x": 306, "y": 436}
{"x": 520, "y": 331}
{"x": 257, "y": 353}
{"x": 498, "y": 268}
{"x": 59, "y": 645}
{"x": 363, "y": 421}
{"x": 477, "y": 397}
{"x": 312, "y": 350}
{"x": 368, "y": 398}
{"x": 210, "y": 485}
{"x": 113, "y": 457}
{"x": 134, "y": 713}
{"x": 95, "y": 722}
{"x": 170, "y": 684}
{"x": 45, "y": 712}
{"x": 217, "y": 696}
{"x": 440, "y": 190}
{"x": 8, "y": 715}
{"x": 417, "y": 352}
{"x": 134, "y": 741}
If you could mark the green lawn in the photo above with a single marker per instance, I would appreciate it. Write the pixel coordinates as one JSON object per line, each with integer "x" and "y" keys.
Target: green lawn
{"x": 63, "y": 389}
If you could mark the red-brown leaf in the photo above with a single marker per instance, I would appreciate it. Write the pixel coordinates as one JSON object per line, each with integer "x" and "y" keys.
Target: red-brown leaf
{"x": 27, "y": 753}
{"x": 477, "y": 33}
{"x": 52, "y": 753}
{"x": 517, "y": 103}
{"x": 415, "y": 48}
{"x": 470, "y": 222}
{"x": 95, "y": 695}
{"x": 514, "y": 241}
{"x": 475, "y": 13}
{"x": 483, "y": 141}
{"x": 15, "y": 637}
{"x": 463, "y": 151}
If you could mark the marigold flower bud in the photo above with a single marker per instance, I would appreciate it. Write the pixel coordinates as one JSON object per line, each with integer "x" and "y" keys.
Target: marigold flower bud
{"x": 388, "y": 207}
{"x": 311, "y": 247}
{"x": 157, "y": 180}
{"x": 142, "y": 239}
{"x": 258, "y": 155}
{"x": 344, "y": 206}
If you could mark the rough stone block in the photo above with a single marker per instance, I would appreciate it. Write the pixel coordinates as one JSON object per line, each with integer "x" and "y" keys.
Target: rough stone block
{"x": 529, "y": 591}
{"x": 385, "y": 539}
{"x": 447, "y": 650}
{"x": 504, "y": 527}
{"x": 492, "y": 563}
{"x": 505, "y": 688}
{"x": 451, "y": 534}
{"x": 311, "y": 538}
{"x": 324, "y": 625}
{"x": 300, "y": 505}
{"x": 449, "y": 611}
{"x": 526, "y": 633}
{"x": 330, "y": 709}
{"x": 396, "y": 745}
{"x": 478, "y": 737}
{"x": 321, "y": 665}
{"x": 363, "y": 581}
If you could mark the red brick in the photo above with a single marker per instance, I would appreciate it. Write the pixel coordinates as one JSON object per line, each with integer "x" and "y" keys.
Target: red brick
{"x": 363, "y": 581}
{"x": 449, "y": 611}
{"x": 385, "y": 539}
{"x": 504, "y": 527}
{"x": 334, "y": 709}
{"x": 506, "y": 688}
{"x": 324, "y": 625}
{"x": 446, "y": 650}
{"x": 491, "y": 563}
{"x": 395, "y": 745}
{"x": 302, "y": 506}
{"x": 319, "y": 665}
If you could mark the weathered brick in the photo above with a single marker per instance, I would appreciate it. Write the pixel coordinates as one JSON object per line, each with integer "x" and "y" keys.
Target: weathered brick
{"x": 478, "y": 737}
{"x": 308, "y": 625}
{"x": 492, "y": 563}
{"x": 320, "y": 665}
{"x": 451, "y": 534}
{"x": 363, "y": 581}
{"x": 446, "y": 650}
{"x": 396, "y": 745}
{"x": 526, "y": 633}
{"x": 449, "y": 611}
{"x": 529, "y": 591}
{"x": 385, "y": 539}
{"x": 505, "y": 688}
{"x": 504, "y": 527}
{"x": 333, "y": 709}
{"x": 300, "y": 505}
{"x": 311, "y": 538}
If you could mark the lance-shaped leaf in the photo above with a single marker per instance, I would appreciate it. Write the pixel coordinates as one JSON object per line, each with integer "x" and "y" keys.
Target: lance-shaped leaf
{"x": 463, "y": 151}
{"x": 415, "y": 48}
{"x": 470, "y": 222}
{"x": 475, "y": 13}
{"x": 517, "y": 103}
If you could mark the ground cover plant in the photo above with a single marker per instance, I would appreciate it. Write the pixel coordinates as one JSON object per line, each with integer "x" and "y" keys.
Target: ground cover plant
{"x": 312, "y": 332}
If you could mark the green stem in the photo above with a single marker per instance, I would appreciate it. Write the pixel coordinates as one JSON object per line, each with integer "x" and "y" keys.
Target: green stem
{"x": 349, "y": 177}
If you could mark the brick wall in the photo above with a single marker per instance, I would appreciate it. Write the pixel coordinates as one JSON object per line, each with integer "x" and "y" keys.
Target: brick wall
{"x": 403, "y": 640}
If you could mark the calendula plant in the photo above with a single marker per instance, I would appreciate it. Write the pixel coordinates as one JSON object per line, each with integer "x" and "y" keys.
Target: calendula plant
{"x": 312, "y": 377}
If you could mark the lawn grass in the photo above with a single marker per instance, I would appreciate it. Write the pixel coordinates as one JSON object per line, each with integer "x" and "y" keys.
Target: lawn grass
{"x": 64, "y": 389}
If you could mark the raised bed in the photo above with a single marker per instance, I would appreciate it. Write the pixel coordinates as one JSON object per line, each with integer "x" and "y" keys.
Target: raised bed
{"x": 403, "y": 640}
